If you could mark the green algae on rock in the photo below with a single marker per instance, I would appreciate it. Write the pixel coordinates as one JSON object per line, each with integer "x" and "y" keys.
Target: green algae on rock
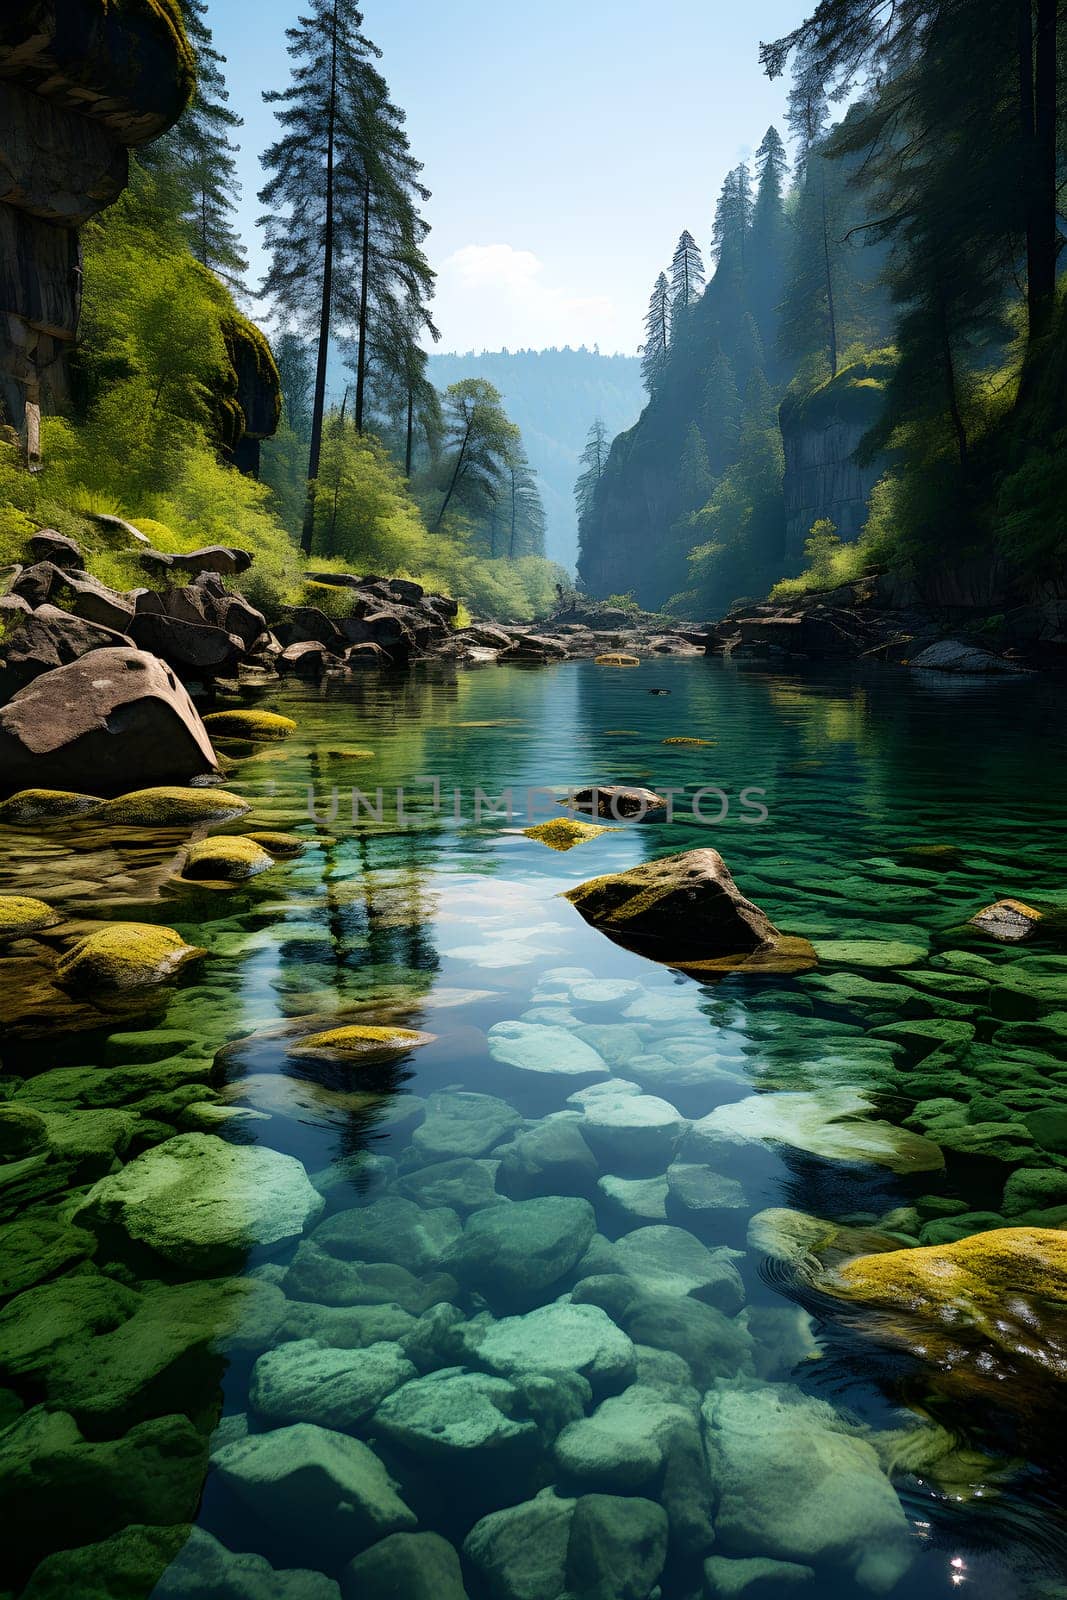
{"x": 124, "y": 955}
{"x": 21, "y": 914}
{"x": 563, "y": 833}
{"x": 359, "y": 1042}
{"x": 173, "y": 807}
{"x": 281, "y": 845}
{"x": 227, "y": 859}
{"x": 251, "y": 726}
{"x": 835, "y": 1124}
{"x": 201, "y": 1203}
{"x": 46, "y": 805}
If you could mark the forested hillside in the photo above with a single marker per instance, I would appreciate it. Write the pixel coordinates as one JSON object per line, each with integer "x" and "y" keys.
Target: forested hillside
{"x": 872, "y": 375}
{"x": 553, "y": 396}
{"x": 178, "y": 412}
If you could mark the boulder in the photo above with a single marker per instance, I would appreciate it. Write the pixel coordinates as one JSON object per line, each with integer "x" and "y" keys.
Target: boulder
{"x": 306, "y": 660}
{"x": 38, "y": 641}
{"x": 322, "y": 1491}
{"x": 121, "y": 715}
{"x": 406, "y": 1566}
{"x": 461, "y": 1123}
{"x": 515, "y": 1252}
{"x": 390, "y": 1229}
{"x": 308, "y": 625}
{"x": 226, "y": 859}
{"x": 461, "y": 1419}
{"x": 304, "y": 1381}
{"x": 201, "y": 1203}
{"x": 247, "y": 724}
{"x": 222, "y": 559}
{"x": 126, "y": 955}
{"x": 48, "y": 545}
{"x": 82, "y": 595}
{"x": 187, "y": 646}
{"x": 623, "y": 1445}
{"x": 549, "y": 1158}
{"x": 616, "y": 801}
{"x": 557, "y": 1338}
{"x": 617, "y": 1548}
{"x": 679, "y": 904}
{"x": 671, "y": 1261}
{"x": 954, "y": 655}
{"x": 632, "y": 1132}
{"x": 1007, "y": 921}
{"x": 544, "y": 1051}
{"x": 22, "y": 914}
{"x": 521, "y": 1553}
{"x": 204, "y": 1569}
{"x": 835, "y": 1124}
{"x": 796, "y": 1484}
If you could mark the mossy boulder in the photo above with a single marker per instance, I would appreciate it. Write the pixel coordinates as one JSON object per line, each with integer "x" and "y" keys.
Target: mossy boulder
{"x": 22, "y": 1132}
{"x": 359, "y": 1043}
{"x": 202, "y": 1203}
{"x": 685, "y": 904}
{"x": 37, "y": 1248}
{"x": 46, "y": 805}
{"x": 252, "y": 726}
{"x": 880, "y": 954}
{"x": 21, "y": 915}
{"x": 563, "y": 833}
{"x": 173, "y": 807}
{"x": 126, "y": 1566}
{"x": 125, "y": 955}
{"x": 226, "y": 860}
{"x": 1008, "y": 921}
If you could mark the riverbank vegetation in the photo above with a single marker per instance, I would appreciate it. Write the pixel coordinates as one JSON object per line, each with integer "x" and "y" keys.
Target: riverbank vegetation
{"x": 176, "y": 390}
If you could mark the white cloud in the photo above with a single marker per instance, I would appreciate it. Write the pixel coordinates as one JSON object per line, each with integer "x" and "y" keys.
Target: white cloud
{"x": 489, "y": 295}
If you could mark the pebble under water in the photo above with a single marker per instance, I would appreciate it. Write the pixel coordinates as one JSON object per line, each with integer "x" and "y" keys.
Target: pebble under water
{"x": 529, "y": 1291}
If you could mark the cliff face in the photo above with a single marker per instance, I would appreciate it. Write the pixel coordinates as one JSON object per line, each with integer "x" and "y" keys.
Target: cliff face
{"x": 83, "y": 81}
{"x": 821, "y": 434}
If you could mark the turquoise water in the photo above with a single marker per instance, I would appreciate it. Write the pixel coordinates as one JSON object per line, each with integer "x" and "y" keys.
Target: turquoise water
{"x": 763, "y": 1420}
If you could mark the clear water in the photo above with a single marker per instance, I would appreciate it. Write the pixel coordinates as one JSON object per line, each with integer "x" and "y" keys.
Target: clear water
{"x": 451, "y": 925}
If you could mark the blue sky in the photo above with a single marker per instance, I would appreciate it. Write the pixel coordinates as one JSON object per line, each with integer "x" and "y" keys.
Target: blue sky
{"x": 567, "y": 145}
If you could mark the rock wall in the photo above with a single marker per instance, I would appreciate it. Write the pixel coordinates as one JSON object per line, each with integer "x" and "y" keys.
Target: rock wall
{"x": 83, "y": 81}
{"x": 821, "y": 434}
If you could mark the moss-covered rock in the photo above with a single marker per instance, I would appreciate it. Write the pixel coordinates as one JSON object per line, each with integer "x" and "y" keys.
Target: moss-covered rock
{"x": 127, "y": 1566}
{"x": 359, "y": 1043}
{"x": 37, "y": 1248}
{"x": 173, "y": 807}
{"x": 22, "y": 1131}
{"x": 282, "y": 846}
{"x": 563, "y": 833}
{"x": 1008, "y": 921}
{"x": 202, "y": 1203}
{"x": 126, "y": 955}
{"x": 20, "y": 915}
{"x": 253, "y": 726}
{"x": 46, "y": 805}
{"x": 226, "y": 860}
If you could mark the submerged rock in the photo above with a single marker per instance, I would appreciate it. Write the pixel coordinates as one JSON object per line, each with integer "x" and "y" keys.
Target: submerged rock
{"x": 632, "y": 1132}
{"x": 406, "y": 1566}
{"x": 1008, "y": 921}
{"x": 623, "y": 1445}
{"x": 555, "y": 1052}
{"x": 200, "y": 1202}
{"x": 463, "y": 1124}
{"x": 796, "y": 1484}
{"x": 460, "y": 1418}
{"x": 321, "y": 1490}
{"x": 46, "y": 805}
{"x": 304, "y": 1381}
{"x": 752, "y": 1577}
{"x": 832, "y": 1123}
{"x": 515, "y": 1252}
{"x": 360, "y": 1042}
{"x": 563, "y": 833}
{"x": 521, "y": 1553}
{"x": 671, "y": 1261}
{"x": 556, "y": 1338}
{"x": 617, "y": 801}
{"x": 681, "y": 904}
{"x": 173, "y": 807}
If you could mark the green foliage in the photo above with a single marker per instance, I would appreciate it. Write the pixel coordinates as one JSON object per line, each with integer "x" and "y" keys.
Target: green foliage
{"x": 623, "y": 602}
{"x": 830, "y": 562}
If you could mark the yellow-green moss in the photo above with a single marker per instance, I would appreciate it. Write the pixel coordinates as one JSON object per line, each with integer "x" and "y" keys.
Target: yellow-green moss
{"x": 255, "y": 726}
{"x": 564, "y": 833}
{"x": 613, "y": 660}
{"x": 982, "y": 1273}
{"x": 280, "y": 845}
{"x": 46, "y": 805}
{"x": 226, "y": 860}
{"x": 361, "y": 1043}
{"x": 173, "y": 808}
{"x": 20, "y": 914}
{"x": 126, "y": 955}
{"x": 680, "y": 739}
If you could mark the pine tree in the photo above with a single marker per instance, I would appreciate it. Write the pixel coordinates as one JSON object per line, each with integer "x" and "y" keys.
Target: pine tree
{"x": 479, "y": 445}
{"x": 694, "y": 471}
{"x": 733, "y": 220}
{"x": 199, "y": 153}
{"x": 524, "y": 507}
{"x": 720, "y": 414}
{"x": 657, "y": 334}
{"x": 315, "y": 192}
{"x": 294, "y": 369}
{"x": 687, "y": 277}
{"x": 770, "y": 238}
{"x": 593, "y": 460}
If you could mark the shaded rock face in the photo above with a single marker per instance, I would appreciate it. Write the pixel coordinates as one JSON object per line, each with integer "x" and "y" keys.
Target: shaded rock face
{"x": 821, "y": 434}
{"x": 83, "y": 83}
{"x": 118, "y": 714}
{"x": 46, "y": 638}
{"x": 681, "y": 904}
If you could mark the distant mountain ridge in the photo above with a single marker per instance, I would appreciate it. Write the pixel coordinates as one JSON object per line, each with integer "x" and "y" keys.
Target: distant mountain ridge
{"x": 554, "y": 396}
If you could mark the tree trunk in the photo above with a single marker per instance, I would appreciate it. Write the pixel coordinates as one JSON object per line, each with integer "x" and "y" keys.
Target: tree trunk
{"x": 364, "y": 273}
{"x": 831, "y": 314}
{"x": 460, "y": 461}
{"x": 410, "y": 432}
{"x": 949, "y": 364}
{"x": 511, "y": 540}
{"x": 337, "y": 479}
{"x": 319, "y": 403}
{"x": 1041, "y": 229}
